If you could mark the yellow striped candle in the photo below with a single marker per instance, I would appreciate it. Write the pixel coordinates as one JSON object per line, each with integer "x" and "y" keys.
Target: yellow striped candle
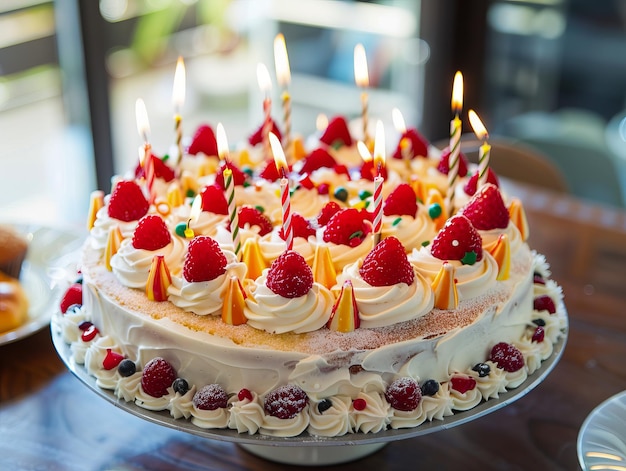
{"x": 485, "y": 149}
{"x": 229, "y": 185}
{"x": 178, "y": 100}
{"x": 455, "y": 137}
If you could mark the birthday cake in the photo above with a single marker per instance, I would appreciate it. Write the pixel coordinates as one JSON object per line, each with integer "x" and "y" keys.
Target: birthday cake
{"x": 338, "y": 297}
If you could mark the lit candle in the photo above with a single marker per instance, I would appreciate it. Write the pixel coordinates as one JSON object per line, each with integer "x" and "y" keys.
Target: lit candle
{"x": 229, "y": 184}
{"x": 178, "y": 100}
{"x": 379, "y": 162}
{"x": 321, "y": 122}
{"x": 281, "y": 165}
{"x": 143, "y": 127}
{"x": 406, "y": 146}
{"x": 194, "y": 214}
{"x": 361, "y": 77}
{"x": 265, "y": 84}
{"x": 455, "y": 136}
{"x": 283, "y": 75}
{"x": 485, "y": 148}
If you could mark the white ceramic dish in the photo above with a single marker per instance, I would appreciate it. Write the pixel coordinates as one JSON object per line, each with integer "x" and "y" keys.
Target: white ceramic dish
{"x": 50, "y": 252}
{"x": 306, "y": 448}
{"x": 601, "y": 441}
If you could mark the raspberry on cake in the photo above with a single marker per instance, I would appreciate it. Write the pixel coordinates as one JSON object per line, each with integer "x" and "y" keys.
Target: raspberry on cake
{"x": 286, "y": 299}
{"x": 386, "y": 287}
{"x": 205, "y": 277}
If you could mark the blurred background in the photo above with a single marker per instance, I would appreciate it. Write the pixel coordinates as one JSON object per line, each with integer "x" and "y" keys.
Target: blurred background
{"x": 549, "y": 73}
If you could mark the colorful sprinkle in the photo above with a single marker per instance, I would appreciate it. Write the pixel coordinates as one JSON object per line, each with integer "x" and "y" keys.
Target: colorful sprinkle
{"x": 364, "y": 194}
{"x": 434, "y": 210}
{"x": 341, "y": 194}
{"x": 181, "y": 227}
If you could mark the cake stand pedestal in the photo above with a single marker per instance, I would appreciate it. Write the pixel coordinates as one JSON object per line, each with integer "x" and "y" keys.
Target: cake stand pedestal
{"x": 306, "y": 449}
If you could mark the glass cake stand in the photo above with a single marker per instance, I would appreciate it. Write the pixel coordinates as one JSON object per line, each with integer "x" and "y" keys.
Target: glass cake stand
{"x": 306, "y": 448}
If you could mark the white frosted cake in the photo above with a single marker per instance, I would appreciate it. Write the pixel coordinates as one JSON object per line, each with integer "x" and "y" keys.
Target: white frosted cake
{"x": 351, "y": 330}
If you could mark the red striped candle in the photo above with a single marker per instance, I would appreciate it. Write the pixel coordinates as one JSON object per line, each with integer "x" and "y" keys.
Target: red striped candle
{"x": 285, "y": 199}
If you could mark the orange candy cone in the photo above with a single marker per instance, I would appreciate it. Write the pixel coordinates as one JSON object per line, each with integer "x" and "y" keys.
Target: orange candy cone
{"x": 159, "y": 280}
{"x": 323, "y": 269}
{"x": 114, "y": 239}
{"x": 345, "y": 314}
{"x": 96, "y": 202}
{"x": 501, "y": 251}
{"x": 234, "y": 302}
{"x": 444, "y": 287}
{"x": 252, "y": 257}
{"x": 518, "y": 216}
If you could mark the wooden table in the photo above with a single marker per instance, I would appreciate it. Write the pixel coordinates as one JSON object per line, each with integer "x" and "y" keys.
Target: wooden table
{"x": 50, "y": 420}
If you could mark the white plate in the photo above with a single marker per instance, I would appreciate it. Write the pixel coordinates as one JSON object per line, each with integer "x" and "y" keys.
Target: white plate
{"x": 43, "y": 276}
{"x": 602, "y": 438}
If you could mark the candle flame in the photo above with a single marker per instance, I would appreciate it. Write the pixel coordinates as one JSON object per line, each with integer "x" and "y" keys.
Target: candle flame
{"x": 263, "y": 77}
{"x": 379, "y": 145}
{"x": 279, "y": 154}
{"x": 222, "y": 142}
{"x": 361, "y": 76}
{"x": 477, "y": 125}
{"x": 196, "y": 209}
{"x": 321, "y": 122}
{"x": 178, "y": 93}
{"x": 143, "y": 125}
{"x": 281, "y": 61}
{"x": 364, "y": 152}
{"x": 398, "y": 120}
{"x": 457, "y": 93}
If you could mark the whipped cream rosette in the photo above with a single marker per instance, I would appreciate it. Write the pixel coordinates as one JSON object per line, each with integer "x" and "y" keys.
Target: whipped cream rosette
{"x": 330, "y": 417}
{"x": 131, "y": 264}
{"x": 459, "y": 244}
{"x": 386, "y": 287}
{"x": 490, "y": 380}
{"x": 128, "y": 387}
{"x": 266, "y": 310}
{"x": 371, "y": 413}
{"x": 286, "y": 299}
{"x": 205, "y": 278}
{"x": 181, "y": 405}
{"x": 380, "y": 306}
{"x": 246, "y": 412}
{"x": 463, "y": 392}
